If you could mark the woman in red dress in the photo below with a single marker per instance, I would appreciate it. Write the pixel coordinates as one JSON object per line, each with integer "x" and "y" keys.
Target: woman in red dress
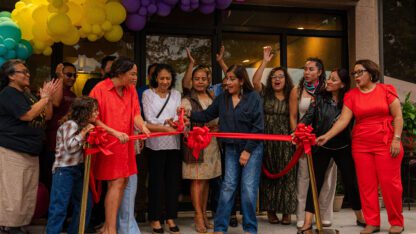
{"x": 376, "y": 146}
{"x": 119, "y": 109}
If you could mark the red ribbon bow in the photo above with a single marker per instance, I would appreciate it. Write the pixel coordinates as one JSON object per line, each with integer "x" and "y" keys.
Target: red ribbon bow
{"x": 198, "y": 139}
{"x": 304, "y": 136}
{"x": 98, "y": 142}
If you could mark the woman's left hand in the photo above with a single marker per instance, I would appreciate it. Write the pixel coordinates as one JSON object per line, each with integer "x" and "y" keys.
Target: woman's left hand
{"x": 395, "y": 148}
{"x": 244, "y": 157}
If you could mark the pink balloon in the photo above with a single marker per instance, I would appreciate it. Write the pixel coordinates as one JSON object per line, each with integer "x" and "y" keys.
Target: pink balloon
{"x": 206, "y": 9}
{"x": 163, "y": 9}
{"x": 135, "y": 22}
{"x": 223, "y": 4}
{"x": 131, "y": 5}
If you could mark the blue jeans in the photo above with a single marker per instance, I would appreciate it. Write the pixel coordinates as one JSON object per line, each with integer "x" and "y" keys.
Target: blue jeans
{"x": 67, "y": 188}
{"x": 249, "y": 177}
{"x": 126, "y": 223}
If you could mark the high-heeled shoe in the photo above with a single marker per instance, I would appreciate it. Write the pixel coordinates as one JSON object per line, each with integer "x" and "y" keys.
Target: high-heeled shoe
{"x": 286, "y": 219}
{"x": 396, "y": 230}
{"x": 303, "y": 231}
{"x": 200, "y": 224}
{"x": 207, "y": 223}
{"x": 361, "y": 224}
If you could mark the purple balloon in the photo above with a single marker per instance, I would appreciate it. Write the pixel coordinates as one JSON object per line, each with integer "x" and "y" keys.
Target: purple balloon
{"x": 185, "y": 2}
{"x": 194, "y": 1}
{"x": 135, "y": 22}
{"x": 171, "y": 2}
{"x": 131, "y": 5}
{"x": 223, "y": 4}
{"x": 143, "y": 11}
{"x": 186, "y": 8}
{"x": 145, "y": 2}
{"x": 194, "y": 5}
{"x": 207, "y": 9}
{"x": 207, "y": 2}
{"x": 163, "y": 9}
{"x": 151, "y": 9}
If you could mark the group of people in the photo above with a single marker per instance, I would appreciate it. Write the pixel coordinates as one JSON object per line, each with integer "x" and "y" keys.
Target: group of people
{"x": 358, "y": 130}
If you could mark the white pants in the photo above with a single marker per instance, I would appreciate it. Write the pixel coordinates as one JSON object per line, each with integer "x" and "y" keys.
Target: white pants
{"x": 326, "y": 196}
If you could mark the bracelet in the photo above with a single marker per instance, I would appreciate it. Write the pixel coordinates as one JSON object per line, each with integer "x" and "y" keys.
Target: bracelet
{"x": 397, "y": 137}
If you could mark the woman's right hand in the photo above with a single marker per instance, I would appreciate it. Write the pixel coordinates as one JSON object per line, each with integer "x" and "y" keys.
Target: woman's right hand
{"x": 121, "y": 136}
{"x": 188, "y": 53}
{"x": 322, "y": 140}
{"x": 220, "y": 55}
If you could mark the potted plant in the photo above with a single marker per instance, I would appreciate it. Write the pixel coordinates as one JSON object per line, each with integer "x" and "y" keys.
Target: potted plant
{"x": 339, "y": 194}
{"x": 409, "y": 125}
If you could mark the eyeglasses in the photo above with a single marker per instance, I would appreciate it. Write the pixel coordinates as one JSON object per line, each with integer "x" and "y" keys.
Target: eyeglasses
{"x": 358, "y": 73}
{"x": 71, "y": 74}
{"x": 275, "y": 77}
{"x": 24, "y": 72}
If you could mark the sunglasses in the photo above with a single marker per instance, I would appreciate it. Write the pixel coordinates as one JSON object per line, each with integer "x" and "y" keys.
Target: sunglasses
{"x": 70, "y": 74}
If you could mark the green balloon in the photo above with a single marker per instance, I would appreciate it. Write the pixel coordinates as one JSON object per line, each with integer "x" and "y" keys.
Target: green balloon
{"x": 9, "y": 29}
{"x": 2, "y": 60}
{"x": 5, "y": 14}
{"x": 9, "y": 43}
{"x": 28, "y": 46}
{"x": 22, "y": 51}
{"x": 3, "y": 49}
{"x": 11, "y": 54}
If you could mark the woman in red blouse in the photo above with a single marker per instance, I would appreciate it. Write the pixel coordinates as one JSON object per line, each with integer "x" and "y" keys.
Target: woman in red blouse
{"x": 119, "y": 109}
{"x": 376, "y": 146}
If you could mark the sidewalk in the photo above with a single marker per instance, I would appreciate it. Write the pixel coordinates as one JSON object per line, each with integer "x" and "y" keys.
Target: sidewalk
{"x": 344, "y": 221}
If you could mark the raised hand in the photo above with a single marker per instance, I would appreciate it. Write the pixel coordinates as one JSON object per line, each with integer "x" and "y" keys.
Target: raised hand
{"x": 267, "y": 54}
{"x": 60, "y": 70}
{"x": 188, "y": 53}
{"x": 220, "y": 55}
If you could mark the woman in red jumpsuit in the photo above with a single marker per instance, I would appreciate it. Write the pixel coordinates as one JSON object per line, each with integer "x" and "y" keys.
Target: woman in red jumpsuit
{"x": 376, "y": 146}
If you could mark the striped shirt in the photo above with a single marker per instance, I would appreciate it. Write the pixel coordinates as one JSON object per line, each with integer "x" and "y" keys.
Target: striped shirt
{"x": 69, "y": 142}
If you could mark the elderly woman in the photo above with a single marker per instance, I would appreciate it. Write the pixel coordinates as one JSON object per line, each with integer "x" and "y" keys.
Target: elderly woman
{"x": 376, "y": 146}
{"x": 159, "y": 105}
{"x": 20, "y": 144}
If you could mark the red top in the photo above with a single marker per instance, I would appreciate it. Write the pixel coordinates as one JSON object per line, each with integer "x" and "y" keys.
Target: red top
{"x": 118, "y": 113}
{"x": 373, "y": 128}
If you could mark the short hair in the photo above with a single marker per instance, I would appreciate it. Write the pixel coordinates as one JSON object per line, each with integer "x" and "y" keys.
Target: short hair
{"x": 68, "y": 64}
{"x": 107, "y": 59}
{"x": 371, "y": 67}
{"x": 159, "y": 68}
{"x": 7, "y": 69}
{"x": 121, "y": 66}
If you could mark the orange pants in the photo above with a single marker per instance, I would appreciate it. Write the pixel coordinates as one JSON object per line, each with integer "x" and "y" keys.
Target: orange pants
{"x": 374, "y": 168}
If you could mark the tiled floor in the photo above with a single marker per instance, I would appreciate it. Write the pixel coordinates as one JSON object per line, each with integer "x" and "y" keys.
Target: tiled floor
{"x": 344, "y": 221}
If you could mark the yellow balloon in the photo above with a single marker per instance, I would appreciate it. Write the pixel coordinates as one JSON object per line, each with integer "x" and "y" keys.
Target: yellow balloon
{"x": 75, "y": 13}
{"x": 59, "y": 23}
{"x": 47, "y": 51}
{"x": 39, "y": 45}
{"x": 71, "y": 38}
{"x": 92, "y": 37}
{"x": 95, "y": 15}
{"x": 40, "y": 14}
{"x": 23, "y": 18}
{"x": 96, "y": 29}
{"x": 86, "y": 28}
{"x": 115, "y": 34}
{"x": 40, "y": 32}
{"x": 82, "y": 34}
{"x": 115, "y": 12}
{"x": 106, "y": 26}
{"x": 19, "y": 5}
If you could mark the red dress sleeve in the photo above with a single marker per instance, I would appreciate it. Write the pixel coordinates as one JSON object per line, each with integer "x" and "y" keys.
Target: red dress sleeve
{"x": 391, "y": 93}
{"x": 96, "y": 94}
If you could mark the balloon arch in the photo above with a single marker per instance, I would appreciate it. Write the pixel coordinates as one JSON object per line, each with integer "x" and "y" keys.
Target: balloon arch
{"x": 35, "y": 25}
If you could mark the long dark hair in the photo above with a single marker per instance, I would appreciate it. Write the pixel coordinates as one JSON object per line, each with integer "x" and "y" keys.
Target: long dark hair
{"x": 269, "y": 92}
{"x": 158, "y": 69}
{"x": 7, "y": 69}
{"x": 345, "y": 78}
{"x": 81, "y": 111}
{"x": 321, "y": 78}
{"x": 241, "y": 73}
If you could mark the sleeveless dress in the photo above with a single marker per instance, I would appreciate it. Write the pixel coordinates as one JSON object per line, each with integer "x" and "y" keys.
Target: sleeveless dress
{"x": 211, "y": 166}
{"x": 277, "y": 194}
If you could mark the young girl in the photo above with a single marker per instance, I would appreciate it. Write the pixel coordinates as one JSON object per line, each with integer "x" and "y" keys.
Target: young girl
{"x": 68, "y": 167}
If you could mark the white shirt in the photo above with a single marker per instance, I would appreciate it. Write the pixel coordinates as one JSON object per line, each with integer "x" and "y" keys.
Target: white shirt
{"x": 152, "y": 104}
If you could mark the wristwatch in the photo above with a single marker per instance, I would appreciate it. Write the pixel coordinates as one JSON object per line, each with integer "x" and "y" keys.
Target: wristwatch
{"x": 397, "y": 137}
